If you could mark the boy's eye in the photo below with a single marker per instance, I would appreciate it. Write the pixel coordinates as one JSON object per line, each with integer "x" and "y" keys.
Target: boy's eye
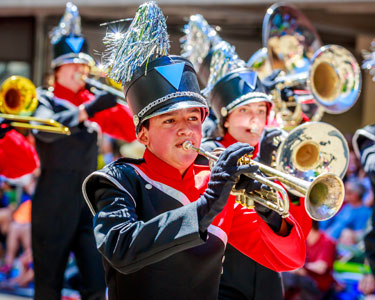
{"x": 193, "y": 118}
{"x": 261, "y": 112}
{"x": 168, "y": 121}
{"x": 242, "y": 110}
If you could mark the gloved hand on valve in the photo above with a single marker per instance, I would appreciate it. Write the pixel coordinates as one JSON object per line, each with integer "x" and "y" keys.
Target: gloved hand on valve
{"x": 102, "y": 101}
{"x": 271, "y": 217}
{"x": 267, "y": 145}
{"x": 223, "y": 176}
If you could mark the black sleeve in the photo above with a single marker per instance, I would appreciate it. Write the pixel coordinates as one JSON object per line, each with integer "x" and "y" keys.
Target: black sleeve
{"x": 130, "y": 244}
{"x": 67, "y": 117}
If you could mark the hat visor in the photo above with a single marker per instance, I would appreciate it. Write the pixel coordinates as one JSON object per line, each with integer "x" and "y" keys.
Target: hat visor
{"x": 73, "y": 58}
{"x": 179, "y": 105}
{"x": 252, "y": 100}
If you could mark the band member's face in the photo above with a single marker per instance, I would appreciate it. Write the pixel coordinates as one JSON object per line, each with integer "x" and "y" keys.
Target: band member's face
{"x": 246, "y": 123}
{"x": 70, "y": 76}
{"x": 167, "y": 132}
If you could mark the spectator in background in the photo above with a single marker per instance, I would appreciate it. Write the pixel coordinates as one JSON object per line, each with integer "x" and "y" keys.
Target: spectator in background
{"x": 354, "y": 215}
{"x": 315, "y": 280}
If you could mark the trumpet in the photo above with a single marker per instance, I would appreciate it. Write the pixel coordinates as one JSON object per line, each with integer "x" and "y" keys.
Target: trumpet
{"x": 323, "y": 196}
{"x": 18, "y": 100}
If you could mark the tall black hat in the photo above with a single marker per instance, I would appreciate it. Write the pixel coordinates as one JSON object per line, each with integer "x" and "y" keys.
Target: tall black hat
{"x": 231, "y": 84}
{"x": 154, "y": 82}
{"x": 69, "y": 46}
{"x": 239, "y": 87}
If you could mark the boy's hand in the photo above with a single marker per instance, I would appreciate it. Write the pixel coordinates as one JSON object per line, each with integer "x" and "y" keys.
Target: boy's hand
{"x": 223, "y": 176}
{"x": 102, "y": 101}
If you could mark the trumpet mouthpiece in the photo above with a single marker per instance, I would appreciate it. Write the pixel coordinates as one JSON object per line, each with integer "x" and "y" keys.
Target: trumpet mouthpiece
{"x": 187, "y": 145}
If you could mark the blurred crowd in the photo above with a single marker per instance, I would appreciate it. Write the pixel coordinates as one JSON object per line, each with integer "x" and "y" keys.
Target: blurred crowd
{"x": 16, "y": 265}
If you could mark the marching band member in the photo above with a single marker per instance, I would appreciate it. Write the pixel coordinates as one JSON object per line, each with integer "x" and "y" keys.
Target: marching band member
{"x": 61, "y": 221}
{"x": 242, "y": 106}
{"x": 161, "y": 222}
{"x": 364, "y": 148}
{"x": 17, "y": 156}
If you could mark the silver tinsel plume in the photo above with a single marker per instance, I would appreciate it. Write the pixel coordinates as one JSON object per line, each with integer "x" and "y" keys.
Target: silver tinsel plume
{"x": 146, "y": 37}
{"x": 70, "y": 24}
{"x": 369, "y": 60}
{"x": 199, "y": 38}
{"x": 224, "y": 60}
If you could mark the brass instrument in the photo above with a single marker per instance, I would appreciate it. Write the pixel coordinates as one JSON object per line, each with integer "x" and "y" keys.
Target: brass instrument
{"x": 260, "y": 63}
{"x": 330, "y": 73}
{"x": 334, "y": 79}
{"x": 312, "y": 149}
{"x": 111, "y": 87}
{"x": 323, "y": 196}
{"x": 18, "y": 100}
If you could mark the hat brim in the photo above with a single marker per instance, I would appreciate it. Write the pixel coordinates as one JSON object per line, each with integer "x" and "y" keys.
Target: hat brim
{"x": 177, "y": 106}
{"x": 253, "y": 100}
{"x": 73, "y": 58}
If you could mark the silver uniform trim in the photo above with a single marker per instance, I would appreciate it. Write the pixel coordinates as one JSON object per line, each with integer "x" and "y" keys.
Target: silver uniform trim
{"x": 252, "y": 95}
{"x": 168, "y": 97}
{"x": 217, "y": 231}
{"x": 358, "y": 133}
{"x": 176, "y": 194}
{"x": 111, "y": 179}
{"x": 75, "y": 58}
{"x": 181, "y": 197}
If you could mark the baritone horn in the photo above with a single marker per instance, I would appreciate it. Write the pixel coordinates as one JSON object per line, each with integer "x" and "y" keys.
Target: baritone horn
{"x": 18, "y": 100}
{"x": 323, "y": 196}
{"x": 334, "y": 79}
{"x": 330, "y": 73}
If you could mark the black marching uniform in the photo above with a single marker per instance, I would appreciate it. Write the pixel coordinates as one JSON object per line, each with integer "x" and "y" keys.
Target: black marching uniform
{"x": 161, "y": 254}
{"x": 61, "y": 220}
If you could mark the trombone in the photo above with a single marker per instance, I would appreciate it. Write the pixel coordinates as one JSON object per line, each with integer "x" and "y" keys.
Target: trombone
{"x": 323, "y": 196}
{"x": 111, "y": 87}
{"x": 18, "y": 100}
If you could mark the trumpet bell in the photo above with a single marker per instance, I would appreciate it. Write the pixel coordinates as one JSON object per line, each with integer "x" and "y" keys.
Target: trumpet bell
{"x": 312, "y": 149}
{"x": 324, "y": 197}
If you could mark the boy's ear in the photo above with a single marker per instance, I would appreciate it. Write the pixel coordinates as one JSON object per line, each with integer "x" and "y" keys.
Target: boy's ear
{"x": 226, "y": 125}
{"x": 143, "y": 136}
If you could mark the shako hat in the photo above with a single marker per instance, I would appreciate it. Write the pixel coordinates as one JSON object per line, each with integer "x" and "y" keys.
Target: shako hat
{"x": 231, "y": 83}
{"x": 69, "y": 46}
{"x": 237, "y": 88}
{"x": 154, "y": 82}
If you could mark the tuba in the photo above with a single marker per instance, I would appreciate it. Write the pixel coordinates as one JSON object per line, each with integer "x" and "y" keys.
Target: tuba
{"x": 323, "y": 196}
{"x": 18, "y": 100}
{"x": 330, "y": 73}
